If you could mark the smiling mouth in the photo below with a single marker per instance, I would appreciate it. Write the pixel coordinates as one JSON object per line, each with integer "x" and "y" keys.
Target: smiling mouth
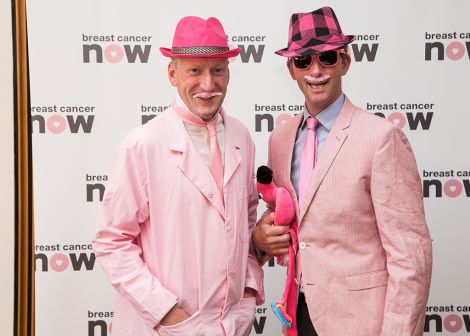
{"x": 317, "y": 82}
{"x": 207, "y": 95}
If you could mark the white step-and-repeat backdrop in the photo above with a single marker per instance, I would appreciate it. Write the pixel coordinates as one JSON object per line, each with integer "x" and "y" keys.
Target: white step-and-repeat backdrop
{"x": 96, "y": 72}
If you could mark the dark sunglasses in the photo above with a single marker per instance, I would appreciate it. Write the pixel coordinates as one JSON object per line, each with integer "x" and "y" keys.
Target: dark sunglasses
{"x": 326, "y": 59}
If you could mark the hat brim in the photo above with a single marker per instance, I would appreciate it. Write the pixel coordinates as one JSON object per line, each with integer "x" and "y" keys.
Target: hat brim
{"x": 309, "y": 50}
{"x": 231, "y": 53}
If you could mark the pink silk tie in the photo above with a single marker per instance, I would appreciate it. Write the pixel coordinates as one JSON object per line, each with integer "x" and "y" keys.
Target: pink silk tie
{"x": 307, "y": 161}
{"x": 217, "y": 168}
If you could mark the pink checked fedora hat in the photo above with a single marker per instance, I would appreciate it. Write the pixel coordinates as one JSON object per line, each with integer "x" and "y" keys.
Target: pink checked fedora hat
{"x": 314, "y": 32}
{"x": 196, "y": 37}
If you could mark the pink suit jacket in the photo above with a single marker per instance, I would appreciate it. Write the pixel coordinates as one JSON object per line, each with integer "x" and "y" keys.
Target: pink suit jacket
{"x": 364, "y": 246}
{"x": 165, "y": 238}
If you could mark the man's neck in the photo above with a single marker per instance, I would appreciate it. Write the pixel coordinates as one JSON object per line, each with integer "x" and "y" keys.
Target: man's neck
{"x": 313, "y": 110}
{"x": 181, "y": 103}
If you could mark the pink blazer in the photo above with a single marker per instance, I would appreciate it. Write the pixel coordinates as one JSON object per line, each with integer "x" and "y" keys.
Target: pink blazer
{"x": 165, "y": 238}
{"x": 364, "y": 246}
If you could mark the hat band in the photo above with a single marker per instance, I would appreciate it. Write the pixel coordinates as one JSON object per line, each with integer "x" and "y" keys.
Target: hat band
{"x": 199, "y": 50}
{"x": 315, "y": 40}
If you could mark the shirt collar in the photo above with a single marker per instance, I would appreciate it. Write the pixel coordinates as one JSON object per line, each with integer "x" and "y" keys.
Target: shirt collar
{"x": 181, "y": 104}
{"x": 327, "y": 117}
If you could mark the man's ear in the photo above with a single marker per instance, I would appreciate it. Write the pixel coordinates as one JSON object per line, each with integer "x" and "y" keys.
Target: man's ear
{"x": 291, "y": 70}
{"x": 172, "y": 73}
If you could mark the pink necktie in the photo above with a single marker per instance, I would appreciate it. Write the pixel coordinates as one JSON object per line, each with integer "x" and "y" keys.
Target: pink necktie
{"x": 307, "y": 161}
{"x": 217, "y": 168}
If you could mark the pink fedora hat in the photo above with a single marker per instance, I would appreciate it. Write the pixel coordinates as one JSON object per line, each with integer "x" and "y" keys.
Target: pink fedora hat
{"x": 314, "y": 32}
{"x": 196, "y": 37}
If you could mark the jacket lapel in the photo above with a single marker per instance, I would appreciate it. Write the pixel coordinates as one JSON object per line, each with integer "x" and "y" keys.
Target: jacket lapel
{"x": 232, "y": 149}
{"x": 334, "y": 142}
{"x": 191, "y": 163}
{"x": 282, "y": 161}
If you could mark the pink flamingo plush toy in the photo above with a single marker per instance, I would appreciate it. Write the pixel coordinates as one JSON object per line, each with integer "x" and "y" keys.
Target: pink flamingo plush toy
{"x": 284, "y": 214}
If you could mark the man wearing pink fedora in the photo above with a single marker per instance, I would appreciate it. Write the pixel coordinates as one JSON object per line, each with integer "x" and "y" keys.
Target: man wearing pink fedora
{"x": 175, "y": 228}
{"x": 364, "y": 254}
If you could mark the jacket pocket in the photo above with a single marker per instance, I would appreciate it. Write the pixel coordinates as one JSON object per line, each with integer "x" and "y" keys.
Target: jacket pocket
{"x": 190, "y": 326}
{"x": 367, "y": 280}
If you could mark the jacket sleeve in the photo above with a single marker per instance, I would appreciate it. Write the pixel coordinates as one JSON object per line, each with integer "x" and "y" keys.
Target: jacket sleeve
{"x": 262, "y": 256}
{"x": 398, "y": 203}
{"x": 254, "y": 274}
{"x": 124, "y": 209}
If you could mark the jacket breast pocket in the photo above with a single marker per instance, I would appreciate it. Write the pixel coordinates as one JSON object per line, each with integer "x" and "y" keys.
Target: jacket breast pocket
{"x": 356, "y": 282}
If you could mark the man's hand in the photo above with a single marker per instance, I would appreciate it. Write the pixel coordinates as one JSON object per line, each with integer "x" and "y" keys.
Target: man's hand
{"x": 249, "y": 292}
{"x": 174, "y": 316}
{"x": 271, "y": 239}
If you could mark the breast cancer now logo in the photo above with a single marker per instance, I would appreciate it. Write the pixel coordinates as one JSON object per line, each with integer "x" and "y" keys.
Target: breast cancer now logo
{"x": 95, "y": 187}
{"x": 449, "y": 183}
{"x": 451, "y": 318}
{"x": 413, "y": 116}
{"x": 57, "y": 119}
{"x": 455, "y": 46}
{"x": 116, "y": 48}
{"x": 251, "y": 47}
{"x": 99, "y": 323}
{"x": 260, "y": 320}
{"x": 365, "y": 47}
{"x": 150, "y": 111}
{"x": 265, "y": 119}
{"x": 61, "y": 258}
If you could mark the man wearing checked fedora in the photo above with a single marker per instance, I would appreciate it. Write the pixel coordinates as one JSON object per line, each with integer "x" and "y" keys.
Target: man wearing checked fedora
{"x": 178, "y": 212}
{"x": 364, "y": 255}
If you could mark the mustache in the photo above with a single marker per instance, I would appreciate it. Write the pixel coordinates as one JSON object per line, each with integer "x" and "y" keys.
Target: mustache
{"x": 207, "y": 95}
{"x": 316, "y": 80}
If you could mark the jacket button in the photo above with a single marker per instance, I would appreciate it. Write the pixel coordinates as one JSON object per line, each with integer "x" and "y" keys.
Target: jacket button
{"x": 211, "y": 195}
{"x": 302, "y": 245}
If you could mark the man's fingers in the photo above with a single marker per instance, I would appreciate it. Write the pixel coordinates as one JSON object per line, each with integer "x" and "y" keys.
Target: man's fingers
{"x": 273, "y": 239}
{"x": 268, "y": 219}
{"x": 275, "y": 244}
{"x": 280, "y": 244}
{"x": 281, "y": 251}
{"x": 277, "y": 230}
{"x": 277, "y": 250}
{"x": 174, "y": 316}
{"x": 279, "y": 240}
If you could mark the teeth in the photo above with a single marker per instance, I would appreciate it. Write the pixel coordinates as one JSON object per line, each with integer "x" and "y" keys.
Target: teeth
{"x": 316, "y": 80}
{"x": 207, "y": 95}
